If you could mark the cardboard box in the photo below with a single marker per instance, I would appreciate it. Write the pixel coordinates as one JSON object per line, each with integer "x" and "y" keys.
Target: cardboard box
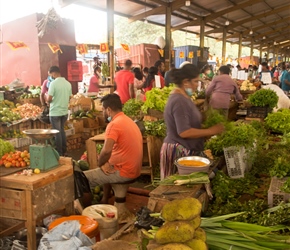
{"x": 77, "y": 124}
{"x": 90, "y": 122}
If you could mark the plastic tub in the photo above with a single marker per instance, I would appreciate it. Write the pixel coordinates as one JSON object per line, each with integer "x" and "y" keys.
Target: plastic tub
{"x": 107, "y": 218}
{"x": 88, "y": 225}
{"x": 183, "y": 170}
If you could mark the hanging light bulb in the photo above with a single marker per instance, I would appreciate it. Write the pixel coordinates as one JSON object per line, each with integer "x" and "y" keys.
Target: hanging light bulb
{"x": 187, "y": 3}
{"x": 251, "y": 32}
{"x": 227, "y": 22}
{"x": 264, "y": 37}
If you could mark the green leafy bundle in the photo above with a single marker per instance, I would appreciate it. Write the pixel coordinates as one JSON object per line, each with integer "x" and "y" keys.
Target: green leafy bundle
{"x": 156, "y": 99}
{"x": 155, "y": 128}
{"x": 132, "y": 108}
{"x": 286, "y": 186}
{"x": 264, "y": 98}
{"x": 281, "y": 167}
{"x": 279, "y": 122}
{"x": 240, "y": 134}
{"x": 213, "y": 117}
{"x": 5, "y": 147}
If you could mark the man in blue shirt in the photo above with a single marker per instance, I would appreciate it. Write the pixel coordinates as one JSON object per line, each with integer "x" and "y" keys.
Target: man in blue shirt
{"x": 285, "y": 79}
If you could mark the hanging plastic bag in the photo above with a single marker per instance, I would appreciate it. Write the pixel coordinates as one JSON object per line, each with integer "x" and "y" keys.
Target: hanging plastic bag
{"x": 44, "y": 117}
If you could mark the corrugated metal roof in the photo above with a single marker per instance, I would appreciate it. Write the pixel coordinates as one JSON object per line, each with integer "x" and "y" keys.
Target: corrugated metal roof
{"x": 269, "y": 20}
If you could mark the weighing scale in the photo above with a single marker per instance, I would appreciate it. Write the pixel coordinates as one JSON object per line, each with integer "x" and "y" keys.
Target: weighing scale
{"x": 42, "y": 155}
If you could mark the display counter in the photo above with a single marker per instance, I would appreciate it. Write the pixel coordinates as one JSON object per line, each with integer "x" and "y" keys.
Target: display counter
{"x": 30, "y": 198}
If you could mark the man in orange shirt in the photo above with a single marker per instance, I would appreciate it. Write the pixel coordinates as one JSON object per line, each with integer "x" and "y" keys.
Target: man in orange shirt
{"x": 121, "y": 157}
{"x": 124, "y": 80}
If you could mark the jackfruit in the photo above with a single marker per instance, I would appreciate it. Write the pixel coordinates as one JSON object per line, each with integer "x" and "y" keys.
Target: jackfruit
{"x": 195, "y": 222}
{"x": 183, "y": 209}
{"x": 200, "y": 234}
{"x": 173, "y": 246}
{"x": 174, "y": 232}
{"x": 197, "y": 244}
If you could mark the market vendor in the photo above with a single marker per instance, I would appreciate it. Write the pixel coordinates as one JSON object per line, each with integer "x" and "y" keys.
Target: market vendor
{"x": 95, "y": 80}
{"x": 121, "y": 157}
{"x": 184, "y": 135}
{"x": 220, "y": 90}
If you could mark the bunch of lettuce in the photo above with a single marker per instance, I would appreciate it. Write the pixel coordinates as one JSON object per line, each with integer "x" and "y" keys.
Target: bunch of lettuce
{"x": 156, "y": 99}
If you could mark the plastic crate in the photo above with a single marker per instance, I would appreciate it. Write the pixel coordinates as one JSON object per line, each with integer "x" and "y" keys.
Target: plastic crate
{"x": 21, "y": 142}
{"x": 275, "y": 195}
{"x": 258, "y": 112}
{"x": 237, "y": 161}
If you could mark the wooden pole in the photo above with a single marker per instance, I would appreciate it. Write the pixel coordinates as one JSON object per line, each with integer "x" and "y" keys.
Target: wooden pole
{"x": 252, "y": 51}
{"x": 224, "y": 46}
{"x": 201, "y": 39}
{"x": 110, "y": 34}
{"x": 167, "y": 52}
{"x": 240, "y": 46}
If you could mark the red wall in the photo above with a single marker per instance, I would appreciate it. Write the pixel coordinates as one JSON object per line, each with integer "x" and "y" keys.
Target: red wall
{"x": 31, "y": 66}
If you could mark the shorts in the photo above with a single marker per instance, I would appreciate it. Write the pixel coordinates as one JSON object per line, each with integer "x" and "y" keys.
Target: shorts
{"x": 98, "y": 177}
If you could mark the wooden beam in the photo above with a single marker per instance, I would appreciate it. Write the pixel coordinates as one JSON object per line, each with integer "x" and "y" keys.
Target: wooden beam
{"x": 231, "y": 9}
{"x": 259, "y": 28}
{"x": 236, "y": 24}
{"x": 155, "y": 11}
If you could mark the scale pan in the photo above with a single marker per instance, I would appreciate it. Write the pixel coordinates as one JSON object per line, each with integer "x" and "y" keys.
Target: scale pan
{"x": 41, "y": 134}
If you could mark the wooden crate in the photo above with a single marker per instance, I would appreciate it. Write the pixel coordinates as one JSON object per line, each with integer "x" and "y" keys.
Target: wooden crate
{"x": 157, "y": 199}
{"x": 8, "y": 226}
{"x": 37, "y": 124}
{"x": 74, "y": 141}
{"x": 12, "y": 203}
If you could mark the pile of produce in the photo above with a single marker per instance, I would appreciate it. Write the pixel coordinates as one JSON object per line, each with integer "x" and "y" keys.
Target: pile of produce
{"x": 181, "y": 229}
{"x": 155, "y": 128}
{"x": 156, "y": 99}
{"x": 15, "y": 159}
{"x": 83, "y": 114}
{"x": 279, "y": 122}
{"x": 240, "y": 134}
{"x": 5, "y": 147}
{"x": 213, "y": 117}
{"x": 7, "y": 112}
{"x": 132, "y": 108}
{"x": 264, "y": 98}
{"x": 12, "y": 133}
{"x": 28, "y": 111}
{"x": 247, "y": 86}
{"x": 28, "y": 96}
{"x": 194, "y": 178}
{"x": 97, "y": 194}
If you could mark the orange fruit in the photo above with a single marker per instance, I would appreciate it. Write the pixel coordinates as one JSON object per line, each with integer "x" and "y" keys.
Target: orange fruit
{"x": 8, "y": 165}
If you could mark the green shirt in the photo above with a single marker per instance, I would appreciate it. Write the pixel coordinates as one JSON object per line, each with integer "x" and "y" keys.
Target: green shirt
{"x": 60, "y": 90}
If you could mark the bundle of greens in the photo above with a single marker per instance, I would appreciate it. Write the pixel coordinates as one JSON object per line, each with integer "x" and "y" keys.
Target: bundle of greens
{"x": 279, "y": 122}
{"x": 155, "y": 128}
{"x": 264, "y": 98}
{"x": 132, "y": 108}
{"x": 193, "y": 178}
{"x": 213, "y": 117}
{"x": 156, "y": 99}
{"x": 240, "y": 134}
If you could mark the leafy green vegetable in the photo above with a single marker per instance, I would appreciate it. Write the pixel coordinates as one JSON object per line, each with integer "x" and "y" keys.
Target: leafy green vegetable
{"x": 156, "y": 99}
{"x": 132, "y": 108}
{"x": 213, "y": 117}
{"x": 281, "y": 167}
{"x": 5, "y": 147}
{"x": 279, "y": 121}
{"x": 264, "y": 98}
{"x": 286, "y": 186}
{"x": 155, "y": 128}
{"x": 240, "y": 134}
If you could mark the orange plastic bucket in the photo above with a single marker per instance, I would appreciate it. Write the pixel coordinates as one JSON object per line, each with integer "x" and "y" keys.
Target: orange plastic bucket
{"x": 88, "y": 225}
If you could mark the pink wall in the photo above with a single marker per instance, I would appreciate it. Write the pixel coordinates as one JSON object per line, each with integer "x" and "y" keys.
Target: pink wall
{"x": 31, "y": 65}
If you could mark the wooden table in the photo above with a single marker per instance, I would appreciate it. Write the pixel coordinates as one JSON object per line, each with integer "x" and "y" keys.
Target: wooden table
{"x": 151, "y": 152}
{"x": 30, "y": 198}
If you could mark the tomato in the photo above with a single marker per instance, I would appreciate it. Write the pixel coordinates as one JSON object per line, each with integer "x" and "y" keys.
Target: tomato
{"x": 17, "y": 164}
{"x": 28, "y": 163}
{"x": 8, "y": 165}
{"x": 23, "y": 164}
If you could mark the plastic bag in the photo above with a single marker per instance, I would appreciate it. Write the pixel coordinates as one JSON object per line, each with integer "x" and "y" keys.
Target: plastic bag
{"x": 44, "y": 117}
{"x": 144, "y": 220}
{"x": 81, "y": 182}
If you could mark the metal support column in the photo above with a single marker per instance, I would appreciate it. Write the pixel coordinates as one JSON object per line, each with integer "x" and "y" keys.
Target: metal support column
{"x": 224, "y": 46}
